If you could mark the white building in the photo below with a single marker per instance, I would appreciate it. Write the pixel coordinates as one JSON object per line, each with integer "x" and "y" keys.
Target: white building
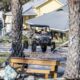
{"x": 1, "y": 23}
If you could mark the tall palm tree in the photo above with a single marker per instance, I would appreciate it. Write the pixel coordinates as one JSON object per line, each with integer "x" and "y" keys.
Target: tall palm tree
{"x": 73, "y": 57}
{"x": 17, "y": 24}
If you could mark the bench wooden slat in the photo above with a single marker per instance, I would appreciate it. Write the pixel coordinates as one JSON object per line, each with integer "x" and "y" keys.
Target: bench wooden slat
{"x": 33, "y": 61}
{"x": 38, "y": 71}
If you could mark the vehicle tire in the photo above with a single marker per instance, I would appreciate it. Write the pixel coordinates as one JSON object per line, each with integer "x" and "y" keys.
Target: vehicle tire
{"x": 53, "y": 46}
{"x": 44, "y": 47}
{"x": 33, "y": 46}
{"x": 26, "y": 44}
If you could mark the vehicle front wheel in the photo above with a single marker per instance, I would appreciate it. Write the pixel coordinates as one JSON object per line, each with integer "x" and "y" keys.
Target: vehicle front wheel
{"x": 44, "y": 47}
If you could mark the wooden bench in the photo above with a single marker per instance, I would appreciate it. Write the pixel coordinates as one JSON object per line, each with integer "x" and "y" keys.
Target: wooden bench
{"x": 53, "y": 64}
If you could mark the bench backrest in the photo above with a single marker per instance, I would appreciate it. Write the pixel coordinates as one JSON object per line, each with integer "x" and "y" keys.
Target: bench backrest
{"x": 52, "y": 63}
{"x": 34, "y": 61}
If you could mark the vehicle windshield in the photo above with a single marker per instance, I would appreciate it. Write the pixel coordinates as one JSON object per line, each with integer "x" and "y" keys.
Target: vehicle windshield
{"x": 41, "y": 30}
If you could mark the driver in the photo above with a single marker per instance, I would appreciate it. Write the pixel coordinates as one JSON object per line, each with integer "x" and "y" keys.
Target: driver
{"x": 43, "y": 31}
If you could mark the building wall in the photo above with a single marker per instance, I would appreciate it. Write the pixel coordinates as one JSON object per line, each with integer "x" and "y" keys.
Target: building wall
{"x": 49, "y": 7}
{"x": 1, "y": 22}
{"x": 8, "y": 22}
{"x": 25, "y": 18}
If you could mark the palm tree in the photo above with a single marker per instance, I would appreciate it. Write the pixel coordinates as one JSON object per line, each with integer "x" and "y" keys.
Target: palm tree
{"x": 73, "y": 57}
{"x": 17, "y": 24}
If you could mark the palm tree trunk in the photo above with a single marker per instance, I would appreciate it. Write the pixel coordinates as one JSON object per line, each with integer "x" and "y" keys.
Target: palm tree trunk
{"x": 73, "y": 57}
{"x": 17, "y": 23}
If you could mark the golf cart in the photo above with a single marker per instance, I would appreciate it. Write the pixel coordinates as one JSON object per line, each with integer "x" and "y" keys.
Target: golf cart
{"x": 41, "y": 37}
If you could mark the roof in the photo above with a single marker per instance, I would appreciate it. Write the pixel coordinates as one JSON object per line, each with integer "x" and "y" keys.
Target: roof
{"x": 65, "y": 8}
{"x": 38, "y": 3}
{"x": 63, "y": 2}
{"x": 26, "y": 13}
{"x": 27, "y": 6}
{"x": 29, "y": 12}
{"x": 57, "y": 20}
